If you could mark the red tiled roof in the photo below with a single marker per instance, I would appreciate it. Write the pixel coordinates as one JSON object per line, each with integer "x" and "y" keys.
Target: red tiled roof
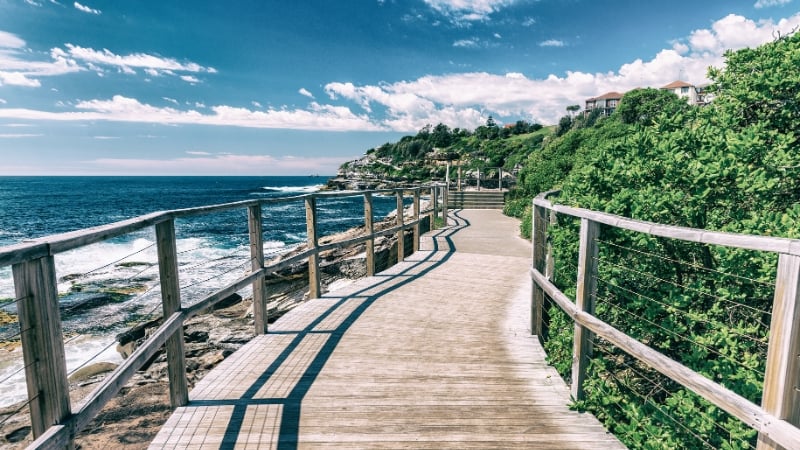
{"x": 606, "y": 96}
{"x": 677, "y": 84}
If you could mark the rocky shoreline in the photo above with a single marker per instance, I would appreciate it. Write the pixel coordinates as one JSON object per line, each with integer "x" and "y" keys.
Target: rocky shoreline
{"x": 133, "y": 417}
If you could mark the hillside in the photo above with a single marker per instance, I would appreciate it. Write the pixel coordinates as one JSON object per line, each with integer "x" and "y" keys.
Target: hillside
{"x": 733, "y": 166}
{"x": 422, "y": 157}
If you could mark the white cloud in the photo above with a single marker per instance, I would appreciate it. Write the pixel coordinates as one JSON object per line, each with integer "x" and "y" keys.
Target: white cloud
{"x": 124, "y": 109}
{"x": 467, "y": 43}
{"x": 151, "y": 64}
{"x": 256, "y": 104}
{"x": 33, "y": 3}
{"x": 528, "y": 22}
{"x": 8, "y": 40}
{"x": 171, "y": 100}
{"x": 3, "y": 101}
{"x": 457, "y": 99}
{"x": 17, "y": 79}
{"x": 552, "y": 43}
{"x": 195, "y": 153}
{"x": 465, "y": 99}
{"x": 105, "y": 138}
{"x": 17, "y": 68}
{"x": 305, "y": 92}
{"x": 86, "y": 9}
{"x": 468, "y": 10}
{"x": 18, "y": 136}
{"x": 767, "y": 3}
{"x": 498, "y": 36}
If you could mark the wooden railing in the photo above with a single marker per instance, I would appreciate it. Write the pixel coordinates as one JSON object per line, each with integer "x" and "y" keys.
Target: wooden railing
{"x": 778, "y": 416}
{"x": 480, "y": 176}
{"x": 53, "y": 421}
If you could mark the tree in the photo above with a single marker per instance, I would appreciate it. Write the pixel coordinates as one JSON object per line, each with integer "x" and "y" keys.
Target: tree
{"x": 441, "y": 136}
{"x": 642, "y": 106}
{"x": 564, "y": 125}
{"x": 572, "y": 109}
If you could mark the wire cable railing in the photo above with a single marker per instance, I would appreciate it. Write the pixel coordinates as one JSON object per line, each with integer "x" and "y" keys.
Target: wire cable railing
{"x": 191, "y": 282}
{"x": 688, "y": 312}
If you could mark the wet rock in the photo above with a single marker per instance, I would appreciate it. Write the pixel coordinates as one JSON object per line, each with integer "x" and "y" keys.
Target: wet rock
{"x": 209, "y": 361}
{"x": 228, "y": 301}
{"x": 126, "y": 350}
{"x": 195, "y": 336}
{"x": 18, "y": 435}
{"x": 90, "y": 371}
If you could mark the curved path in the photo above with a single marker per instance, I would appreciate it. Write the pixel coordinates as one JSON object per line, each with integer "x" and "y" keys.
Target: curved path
{"x": 433, "y": 353}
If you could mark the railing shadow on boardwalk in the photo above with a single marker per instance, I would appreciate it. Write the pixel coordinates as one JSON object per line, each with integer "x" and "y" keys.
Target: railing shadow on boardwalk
{"x": 291, "y": 404}
{"x": 54, "y": 421}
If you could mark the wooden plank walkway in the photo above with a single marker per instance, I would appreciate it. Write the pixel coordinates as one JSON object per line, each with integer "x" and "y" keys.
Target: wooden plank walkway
{"x": 433, "y": 353}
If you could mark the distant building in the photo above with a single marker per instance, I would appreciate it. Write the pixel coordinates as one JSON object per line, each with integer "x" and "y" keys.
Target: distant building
{"x": 690, "y": 92}
{"x": 704, "y": 97}
{"x": 606, "y": 103}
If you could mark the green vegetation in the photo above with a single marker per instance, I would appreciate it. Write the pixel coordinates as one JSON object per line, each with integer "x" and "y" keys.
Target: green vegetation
{"x": 414, "y": 158}
{"x": 732, "y": 166}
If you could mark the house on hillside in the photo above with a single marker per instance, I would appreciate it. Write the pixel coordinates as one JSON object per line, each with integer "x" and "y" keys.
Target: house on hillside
{"x": 682, "y": 89}
{"x": 606, "y": 103}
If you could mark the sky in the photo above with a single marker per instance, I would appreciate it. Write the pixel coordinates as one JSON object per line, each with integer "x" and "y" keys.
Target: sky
{"x": 265, "y": 87}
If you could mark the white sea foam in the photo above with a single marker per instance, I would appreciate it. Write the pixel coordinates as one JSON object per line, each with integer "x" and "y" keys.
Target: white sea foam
{"x": 77, "y": 351}
{"x": 289, "y": 189}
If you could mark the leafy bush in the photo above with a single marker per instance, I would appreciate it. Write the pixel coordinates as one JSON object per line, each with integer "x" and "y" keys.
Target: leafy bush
{"x": 731, "y": 166}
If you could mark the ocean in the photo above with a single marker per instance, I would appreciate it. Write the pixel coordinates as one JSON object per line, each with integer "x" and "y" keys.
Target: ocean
{"x": 105, "y": 288}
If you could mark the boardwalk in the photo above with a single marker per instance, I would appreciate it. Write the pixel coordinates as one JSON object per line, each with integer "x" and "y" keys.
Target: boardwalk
{"x": 433, "y": 353}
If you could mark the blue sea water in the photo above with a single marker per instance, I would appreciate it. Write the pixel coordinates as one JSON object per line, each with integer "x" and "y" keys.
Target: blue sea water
{"x": 213, "y": 249}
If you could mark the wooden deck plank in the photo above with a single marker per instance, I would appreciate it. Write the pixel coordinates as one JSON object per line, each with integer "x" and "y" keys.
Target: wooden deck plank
{"x": 432, "y": 353}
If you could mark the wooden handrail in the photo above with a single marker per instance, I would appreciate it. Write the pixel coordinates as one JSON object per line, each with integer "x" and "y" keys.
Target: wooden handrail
{"x": 778, "y": 418}
{"x": 55, "y": 427}
{"x": 743, "y": 241}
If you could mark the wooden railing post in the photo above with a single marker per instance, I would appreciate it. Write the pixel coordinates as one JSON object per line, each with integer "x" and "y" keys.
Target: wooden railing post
{"x": 255, "y": 226}
{"x": 584, "y": 301}
{"x": 500, "y": 180}
{"x": 401, "y": 245}
{"x": 42, "y": 345}
{"x": 781, "y": 397}
{"x": 369, "y": 228}
{"x": 550, "y": 263}
{"x": 416, "y": 219}
{"x": 538, "y": 238}
{"x": 445, "y": 201}
{"x": 434, "y": 200}
{"x": 171, "y": 303}
{"x": 313, "y": 259}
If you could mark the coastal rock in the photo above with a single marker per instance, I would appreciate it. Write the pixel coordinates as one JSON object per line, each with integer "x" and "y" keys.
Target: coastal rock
{"x": 18, "y": 434}
{"x": 85, "y": 373}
